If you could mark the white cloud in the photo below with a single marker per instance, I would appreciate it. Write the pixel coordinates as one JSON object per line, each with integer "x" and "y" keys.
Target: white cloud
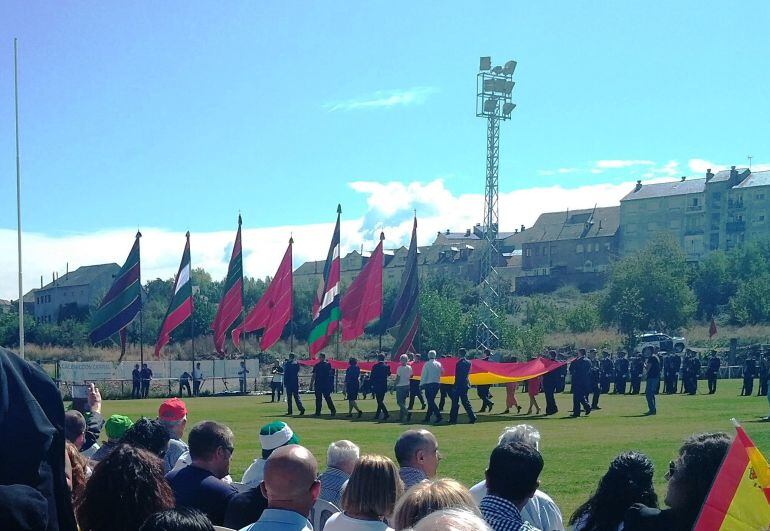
{"x": 605, "y": 164}
{"x": 700, "y": 166}
{"x": 384, "y": 99}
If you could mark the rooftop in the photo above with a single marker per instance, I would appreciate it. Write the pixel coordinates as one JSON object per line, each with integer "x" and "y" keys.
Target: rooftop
{"x": 760, "y": 178}
{"x": 649, "y": 191}
{"x": 83, "y": 275}
{"x": 574, "y": 225}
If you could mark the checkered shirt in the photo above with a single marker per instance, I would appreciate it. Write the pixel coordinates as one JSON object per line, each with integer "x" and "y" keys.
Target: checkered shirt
{"x": 502, "y": 515}
{"x": 411, "y": 476}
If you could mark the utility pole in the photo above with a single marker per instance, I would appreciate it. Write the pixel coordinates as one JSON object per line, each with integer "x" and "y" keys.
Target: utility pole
{"x": 494, "y": 86}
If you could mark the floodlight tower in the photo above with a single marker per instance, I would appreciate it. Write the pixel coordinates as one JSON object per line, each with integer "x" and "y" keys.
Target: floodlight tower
{"x": 493, "y": 102}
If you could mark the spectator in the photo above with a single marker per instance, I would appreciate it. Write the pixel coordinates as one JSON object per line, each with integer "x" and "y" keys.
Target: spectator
{"x": 271, "y": 436}
{"x": 136, "y": 380}
{"x": 452, "y": 520}
{"x": 276, "y": 382}
{"x": 430, "y": 380}
{"x": 200, "y": 484}
{"x": 84, "y": 430}
{"x": 23, "y": 508}
{"x": 184, "y": 383}
{"x": 403, "y": 376}
{"x": 75, "y": 430}
{"x": 125, "y": 488}
{"x": 512, "y": 479}
{"x": 148, "y": 434}
{"x": 370, "y": 496}
{"x": 245, "y": 508}
{"x": 115, "y": 427}
{"x": 352, "y": 375}
{"x": 173, "y": 415}
{"x": 77, "y": 472}
{"x": 242, "y": 377}
{"x": 197, "y": 379}
{"x": 182, "y": 519}
{"x": 146, "y": 374}
{"x": 341, "y": 458}
{"x": 540, "y": 510}
{"x": 689, "y": 480}
{"x": 291, "y": 489}
{"x": 429, "y": 496}
{"x": 628, "y": 481}
{"x": 417, "y": 455}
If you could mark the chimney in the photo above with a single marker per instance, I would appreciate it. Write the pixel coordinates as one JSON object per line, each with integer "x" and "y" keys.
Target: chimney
{"x": 41, "y": 281}
{"x": 515, "y": 231}
{"x": 709, "y": 175}
{"x": 684, "y": 178}
{"x": 522, "y": 228}
{"x": 467, "y": 232}
{"x": 638, "y": 186}
{"x": 68, "y": 269}
{"x": 53, "y": 277}
{"x": 447, "y": 232}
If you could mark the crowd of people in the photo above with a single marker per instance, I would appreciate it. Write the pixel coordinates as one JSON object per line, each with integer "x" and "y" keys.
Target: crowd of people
{"x": 86, "y": 472}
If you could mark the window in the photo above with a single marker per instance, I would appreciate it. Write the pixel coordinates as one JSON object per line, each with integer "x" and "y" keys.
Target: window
{"x": 631, "y": 228}
{"x": 579, "y": 249}
{"x": 760, "y": 197}
{"x": 652, "y": 226}
{"x": 675, "y": 223}
{"x": 529, "y": 252}
{"x": 716, "y": 196}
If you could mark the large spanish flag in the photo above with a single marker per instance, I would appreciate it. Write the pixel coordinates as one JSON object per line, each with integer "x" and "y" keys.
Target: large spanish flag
{"x": 739, "y": 499}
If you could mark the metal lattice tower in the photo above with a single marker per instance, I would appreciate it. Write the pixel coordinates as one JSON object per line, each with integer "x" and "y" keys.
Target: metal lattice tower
{"x": 493, "y": 102}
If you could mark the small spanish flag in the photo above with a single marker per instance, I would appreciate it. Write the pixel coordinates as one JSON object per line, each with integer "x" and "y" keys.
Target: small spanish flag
{"x": 740, "y": 496}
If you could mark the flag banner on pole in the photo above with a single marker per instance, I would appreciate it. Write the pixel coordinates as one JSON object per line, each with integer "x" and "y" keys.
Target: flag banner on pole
{"x": 482, "y": 372}
{"x": 123, "y": 301}
{"x": 274, "y": 309}
{"x": 231, "y": 306}
{"x": 326, "y": 308}
{"x": 362, "y": 302}
{"x": 739, "y": 499}
{"x": 405, "y": 318}
{"x": 181, "y": 306}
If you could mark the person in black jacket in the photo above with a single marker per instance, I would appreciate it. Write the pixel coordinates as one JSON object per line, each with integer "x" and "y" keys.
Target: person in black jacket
{"x": 379, "y": 383}
{"x": 621, "y": 374}
{"x": 712, "y": 372}
{"x": 607, "y": 369}
{"x": 637, "y": 367}
{"x": 550, "y": 384}
{"x": 291, "y": 383}
{"x": 580, "y": 370}
{"x": 749, "y": 373}
{"x": 322, "y": 379}
{"x": 676, "y": 365}
{"x": 33, "y": 413}
{"x": 136, "y": 380}
{"x": 595, "y": 383}
{"x": 764, "y": 370}
{"x": 462, "y": 385}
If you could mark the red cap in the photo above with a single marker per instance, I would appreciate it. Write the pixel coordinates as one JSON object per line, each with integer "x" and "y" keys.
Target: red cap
{"x": 172, "y": 410}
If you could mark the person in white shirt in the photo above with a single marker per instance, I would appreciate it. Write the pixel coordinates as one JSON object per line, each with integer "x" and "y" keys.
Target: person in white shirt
{"x": 540, "y": 511}
{"x": 403, "y": 375}
{"x": 429, "y": 383}
{"x": 197, "y": 379}
{"x": 370, "y": 496}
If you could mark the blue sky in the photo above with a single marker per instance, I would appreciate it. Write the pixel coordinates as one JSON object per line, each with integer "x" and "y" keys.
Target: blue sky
{"x": 175, "y": 115}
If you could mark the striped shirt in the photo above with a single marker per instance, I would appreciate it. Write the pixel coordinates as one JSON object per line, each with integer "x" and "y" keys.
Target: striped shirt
{"x": 502, "y": 515}
{"x": 332, "y": 482}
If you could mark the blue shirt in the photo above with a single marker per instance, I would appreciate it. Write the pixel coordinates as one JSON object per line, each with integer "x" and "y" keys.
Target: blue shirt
{"x": 332, "y": 481}
{"x": 280, "y": 520}
{"x": 199, "y": 489}
{"x": 411, "y": 476}
{"x": 502, "y": 515}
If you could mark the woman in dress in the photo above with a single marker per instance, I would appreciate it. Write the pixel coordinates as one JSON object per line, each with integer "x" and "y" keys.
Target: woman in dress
{"x": 533, "y": 389}
{"x": 510, "y": 397}
{"x": 352, "y": 374}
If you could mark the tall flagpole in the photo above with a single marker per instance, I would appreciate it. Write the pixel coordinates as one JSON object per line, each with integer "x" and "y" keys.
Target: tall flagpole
{"x": 18, "y": 199}
{"x": 192, "y": 314}
{"x": 141, "y": 307}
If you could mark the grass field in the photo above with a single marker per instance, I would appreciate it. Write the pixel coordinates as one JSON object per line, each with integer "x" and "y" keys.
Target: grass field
{"x": 576, "y": 451}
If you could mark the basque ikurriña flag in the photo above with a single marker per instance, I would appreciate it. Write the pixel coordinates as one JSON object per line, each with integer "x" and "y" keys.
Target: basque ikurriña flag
{"x": 405, "y": 319}
{"x": 274, "y": 308}
{"x": 181, "y": 306}
{"x": 326, "y": 306}
{"x": 122, "y": 302}
{"x": 231, "y": 306}
{"x": 362, "y": 302}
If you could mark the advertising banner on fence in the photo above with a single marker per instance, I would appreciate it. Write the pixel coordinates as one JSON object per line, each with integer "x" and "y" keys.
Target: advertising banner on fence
{"x": 86, "y": 371}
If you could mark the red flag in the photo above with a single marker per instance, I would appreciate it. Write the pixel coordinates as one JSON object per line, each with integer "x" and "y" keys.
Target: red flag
{"x": 231, "y": 305}
{"x": 274, "y": 308}
{"x": 362, "y": 302}
{"x": 712, "y": 328}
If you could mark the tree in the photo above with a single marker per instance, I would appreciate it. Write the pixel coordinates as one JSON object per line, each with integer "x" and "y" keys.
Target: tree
{"x": 441, "y": 326}
{"x": 582, "y": 318}
{"x": 648, "y": 290}
{"x": 751, "y": 303}
{"x": 713, "y": 283}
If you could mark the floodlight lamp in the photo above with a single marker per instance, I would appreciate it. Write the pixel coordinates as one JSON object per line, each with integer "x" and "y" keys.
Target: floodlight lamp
{"x": 509, "y": 67}
{"x": 508, "y": 108}
{"x": 489, "y": 85}
{"x": 499, "y": 85}
{"x": 490, "y": 105}
{"x": 509, "y": 87}
{"x": 485, "y": 63}
{"x": 497, "y": 69}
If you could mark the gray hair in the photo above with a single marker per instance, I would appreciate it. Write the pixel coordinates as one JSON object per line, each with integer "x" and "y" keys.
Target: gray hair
{"x": 452, "y": 520}
{"x": 341, "y": 452}
{"x": 432, "y": 354}
{"x": 523, "y": 433}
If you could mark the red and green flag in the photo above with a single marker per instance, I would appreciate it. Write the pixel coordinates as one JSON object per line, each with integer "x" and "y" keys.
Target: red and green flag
{"x": 405, "y": 318}
{"x": 326, "y": 306}
{"x": 739, "y": 499}
{"x": 231, "y": 306}
{"x": 181, "y": 306}
{"x": 123, "y": 301}
{"x": 362, "y": 302}
{"x": 274, "y": 308}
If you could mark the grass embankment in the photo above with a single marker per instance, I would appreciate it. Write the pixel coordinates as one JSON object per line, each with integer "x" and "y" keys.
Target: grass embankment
{"x": 576, "y": 451}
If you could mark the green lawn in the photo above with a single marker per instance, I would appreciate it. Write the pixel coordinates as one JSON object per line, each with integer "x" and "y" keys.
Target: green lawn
{"x": 576, "y": 451}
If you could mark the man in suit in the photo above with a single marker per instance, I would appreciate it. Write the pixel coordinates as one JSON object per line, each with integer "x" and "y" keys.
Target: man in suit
{"x": 712, "y": 372}
{"x": 291, "y": 383}
{"x": 580, "y": 369}
{"x": 483, "y": 391}
{"x": 462, "y": 385}
{"x": 607, "y": 370}
{"x": 379, "y": 383}
{"x": 676, "y": 365}
{"x": 550, "y": 384}
{"x": 621, "y": 374}
{"x": 749, "y": 373}
{"x": 322, "y": 380}
{"x": 637, "y": 367}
